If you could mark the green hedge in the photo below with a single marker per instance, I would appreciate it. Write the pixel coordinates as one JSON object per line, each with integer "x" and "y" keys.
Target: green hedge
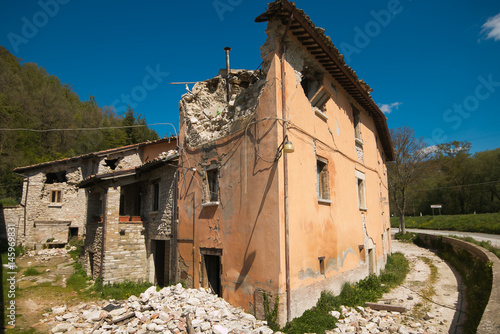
{"x": 483, "y": 223}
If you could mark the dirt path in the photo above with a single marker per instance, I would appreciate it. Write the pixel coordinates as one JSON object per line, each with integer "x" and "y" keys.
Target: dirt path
{"x": 433, "y": 291}
{"x": 38, "y": 293}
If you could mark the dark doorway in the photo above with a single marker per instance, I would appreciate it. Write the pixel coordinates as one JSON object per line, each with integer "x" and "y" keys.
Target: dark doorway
{"x": 212, "y": 273}
{"x": 161, "y": 255}
{"x": 91, "y": 264}
{"x": 73, "y": 233}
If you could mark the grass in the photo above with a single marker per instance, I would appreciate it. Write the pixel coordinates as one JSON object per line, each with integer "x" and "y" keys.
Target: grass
{"x": 118, "y": 291}
{"x": 482, "y": 223}
{"x": 409, "y": 237}
{"x": 318, "y": 319}
{"x": 31, "y": 271}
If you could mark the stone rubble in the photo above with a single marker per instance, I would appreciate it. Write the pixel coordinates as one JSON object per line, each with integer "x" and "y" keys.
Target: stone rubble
{"x": 43, "y": 255}
{"x": 166, "y": 311}
{"x": 369, "y": 321}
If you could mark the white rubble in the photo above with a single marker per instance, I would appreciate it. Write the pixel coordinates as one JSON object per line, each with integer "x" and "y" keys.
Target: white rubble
{"x": 175, "y": 309}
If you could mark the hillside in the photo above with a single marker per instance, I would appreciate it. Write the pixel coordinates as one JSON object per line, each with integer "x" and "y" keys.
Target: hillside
{"x": 32, "y": 99}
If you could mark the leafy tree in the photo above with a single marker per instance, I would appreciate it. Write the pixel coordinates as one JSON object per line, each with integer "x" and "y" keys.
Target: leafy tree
{"x": 30, "y": 98}
{"x": 408, "y": 166}
{"x": 455, "y": 162}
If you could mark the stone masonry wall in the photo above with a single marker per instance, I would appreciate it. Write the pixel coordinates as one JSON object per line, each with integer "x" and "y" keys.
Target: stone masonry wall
{"x": 126, "y": 160}
{"x": 42, "y": 213}
{"x": 124, "y": 244}
{"x": 93, "y": 249}
{"x": 159, "y": 223}
{"x": 11, "y": 216}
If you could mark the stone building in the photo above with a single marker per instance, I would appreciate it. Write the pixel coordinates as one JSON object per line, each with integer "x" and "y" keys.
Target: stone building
{"x": 254, "y": 218}
{"x": 129, "y": 223}
{"x": 53, "y": 206}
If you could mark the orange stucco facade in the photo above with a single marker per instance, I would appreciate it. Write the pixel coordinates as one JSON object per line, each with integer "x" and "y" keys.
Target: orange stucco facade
{"x": 336, "y": 181}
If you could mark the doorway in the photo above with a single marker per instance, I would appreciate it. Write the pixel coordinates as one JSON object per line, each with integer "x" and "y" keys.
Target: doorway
{"x": 212, "y": 270}
{"x": 161, "y": 256}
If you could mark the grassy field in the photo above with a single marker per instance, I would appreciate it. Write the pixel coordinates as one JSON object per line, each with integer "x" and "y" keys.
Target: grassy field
{"x": 482, "y": 223}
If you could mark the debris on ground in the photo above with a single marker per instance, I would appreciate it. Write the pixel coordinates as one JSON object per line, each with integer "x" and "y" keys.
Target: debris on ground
{"x": 171, "y": 310}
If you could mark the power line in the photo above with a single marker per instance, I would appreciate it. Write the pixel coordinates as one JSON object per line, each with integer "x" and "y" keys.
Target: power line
{"x": 461, "y": 186}
{"x": 87, "y": 129}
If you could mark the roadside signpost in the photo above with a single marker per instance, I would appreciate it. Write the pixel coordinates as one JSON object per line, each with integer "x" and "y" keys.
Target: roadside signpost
{"x": 436, "y": 206}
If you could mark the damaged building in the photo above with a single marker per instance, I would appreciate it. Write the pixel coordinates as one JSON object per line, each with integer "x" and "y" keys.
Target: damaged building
{"x": 256, "y": 218}
{"x": 119, "y": 201}
{"x": 276, "y": 184}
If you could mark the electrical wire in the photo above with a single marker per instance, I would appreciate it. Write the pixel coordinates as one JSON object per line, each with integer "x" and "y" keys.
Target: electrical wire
{"x": 88, "y": 129}
{"x": 460, "y": 186}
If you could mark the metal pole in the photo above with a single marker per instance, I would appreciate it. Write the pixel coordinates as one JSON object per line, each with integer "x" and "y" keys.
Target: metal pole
{"x": 228, "y": 69}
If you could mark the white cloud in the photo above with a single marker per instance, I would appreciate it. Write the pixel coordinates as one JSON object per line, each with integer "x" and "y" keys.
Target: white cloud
{"x": 491, "y": 29}
{"x": 387, "y": 108}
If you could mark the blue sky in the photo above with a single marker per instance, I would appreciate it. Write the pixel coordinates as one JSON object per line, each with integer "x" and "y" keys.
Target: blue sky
{"x": 433, "y": 65}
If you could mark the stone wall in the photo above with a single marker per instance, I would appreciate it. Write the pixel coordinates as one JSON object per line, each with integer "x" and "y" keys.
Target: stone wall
{"x": 159, "y": 223}
{"x": 207, "y": 113}
{"x": 489, "y": 322}
{"x": 93, "y": 250}
{"x": 47, "y": 219}
{"x": 124, "y": 160}
{"x": 11, "y": 216}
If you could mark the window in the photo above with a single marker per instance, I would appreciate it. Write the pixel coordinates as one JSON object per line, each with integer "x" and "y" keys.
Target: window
{"x": 360, "y": 184}
{"x": 322, "y": 188}
{"x": 213, "y": 185}
{"x": 317, "y": 95}
{"x": 112, "y": 163}
{"x": 55, "y": 196}
{"x": 320, "y": 98}
{"x": 156, "y": 196}
{"x": 321, "y": 265}
{"x": 58, "y": 177}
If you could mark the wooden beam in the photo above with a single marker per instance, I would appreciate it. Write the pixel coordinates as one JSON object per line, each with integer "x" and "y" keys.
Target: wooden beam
{"x": 385, "y": 307}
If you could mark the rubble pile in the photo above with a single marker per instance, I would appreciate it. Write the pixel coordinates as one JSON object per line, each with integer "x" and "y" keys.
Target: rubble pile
{"x": 171, "y": 310}
{"x": 366, "y": 320}
{"x": 207, "y": 113}
{"x": 46, "y": 254}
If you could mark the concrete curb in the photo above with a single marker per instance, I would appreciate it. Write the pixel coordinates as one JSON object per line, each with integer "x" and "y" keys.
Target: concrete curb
{"x": 490, "y": 322}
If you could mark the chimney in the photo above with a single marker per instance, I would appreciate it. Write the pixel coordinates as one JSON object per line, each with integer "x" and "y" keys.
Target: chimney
{"x": 228, "y": 70}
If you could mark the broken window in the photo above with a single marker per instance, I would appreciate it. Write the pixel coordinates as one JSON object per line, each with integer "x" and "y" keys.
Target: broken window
{"x": 55, "y": 196}
{"x": 58, "y": 177}
{"x": 360, "y": 184}
{"x": 322, "y": 179}
{"x": 320, "y": 98}
{"x": 111, "y": 163}
{"x": 212, "y": 186}
{"x": 316, "y": 93}
{"x": 156, "y": 196}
